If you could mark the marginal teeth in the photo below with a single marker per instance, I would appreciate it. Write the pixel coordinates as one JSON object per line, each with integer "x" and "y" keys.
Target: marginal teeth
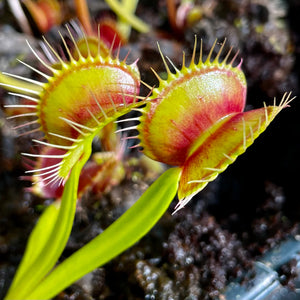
{"x": 24, "y": 78}
{"x": 128, "y": 120}
{"x": 24, "y": 96}
{"x": 44, "y": 169}
{"x": 54, "y": 71}
{"x": 65, "y": 137}
{"x": 34, "y": 69}
{"x": 126, "y": 129}
{"x": 54, "y": 145}
{"x": 46, "y": 156}
{"x": 26, "y": 90}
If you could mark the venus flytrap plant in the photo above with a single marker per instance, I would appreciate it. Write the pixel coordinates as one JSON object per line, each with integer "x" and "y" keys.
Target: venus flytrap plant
{"x": 194, "y": 120}
{"x": 114, "y": 32}
{"x": 98, "y": 106}
{"x": 200, "y": 110}
{"x": 71, "y": 107}
{"x": 48, "y": 239}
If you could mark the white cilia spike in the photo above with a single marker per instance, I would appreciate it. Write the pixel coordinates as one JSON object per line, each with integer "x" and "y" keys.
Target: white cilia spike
{"x": 126, "y": 129}
{"x": 44, "y": 169}
{"x": 181, "y": 204}
{"x": 50, "y": 182}
{"x": 135, "y": 97}
{"x": 200, "y": 52}
{"x": 54, "y": 181}
{"x": 74, "y": 42}
{"x": 259, "y": 125}
{"x": 183, "y": 60}
{"x": 54, "y": 52}
{"x": 124, "y": 100}
{"x": 54, "y": 170}
{"x": 213, "y": 169}
{"x": 22, "y": 115}
{"x": 198, "y": 181}
{"x": 87, "y": 45}
{"x": 77, "y": 129}
{"x": 172, "y": 64}
{"x": 163, "y": 59}
{"x": 118, "y": 53}
{"x": 29, "y": 132}
{"x": 112, "y": 46}
{"x": 211, "y": 51}
{"x": 25, "y": 124}
{"x": 128, "y": 120}
{"x": 24, "y": 78}
{"x": 156, "y": 75}
{"x": 93, "y": 116}
{"x": 54, "y": 145}
{"x": 266, "y": 113}
{"x": 21, "y": 88}
{"x": 126, "y": 57}
{"x": 24, "y": 96}
{"x": 75, "y": 25}
{"x": 75, "y": 126}
{"x": 34, "y": 69}
{"x": 125, "y": 138}
{"x": 235, "y": 56}
{"x": 66, "y": 47}
{"x": 227, "y": 56}
{"x": 46, "y": 156}
{"x": 147, "y": 85}
{"x": 140, "y": 110}
{"x": 55, "y": 175}
{"x": 61, "y": 181}
{"x": 134, "y": 146}
{"x": 220, "y": 51}
{"x": 48, "y": 53}
{"x": 285, "y": 101}
{"x": 194, "y": 52}
{"x": 19, "y": 106}
{"x": 40, "y": 60}
{"x": 65, "y": 137}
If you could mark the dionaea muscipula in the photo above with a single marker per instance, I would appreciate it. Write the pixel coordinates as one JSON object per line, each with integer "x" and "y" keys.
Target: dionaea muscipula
{"x": 78, "y": 98}
{"x": 196, "y": 119}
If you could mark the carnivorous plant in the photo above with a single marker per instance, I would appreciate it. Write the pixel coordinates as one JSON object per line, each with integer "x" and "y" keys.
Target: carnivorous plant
{"x": 194, "y": 120}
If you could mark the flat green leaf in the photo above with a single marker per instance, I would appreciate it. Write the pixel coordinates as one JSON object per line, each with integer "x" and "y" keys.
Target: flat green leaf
{"x": 54, "y": 241}
{"x": 37, "y": 240}
{"x": 122, "y": 234}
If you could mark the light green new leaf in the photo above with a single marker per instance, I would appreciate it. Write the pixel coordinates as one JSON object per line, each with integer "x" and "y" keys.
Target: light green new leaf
{"x": 37, "y": 240}
{"x": 122, "y": 234}
{"x": 42, "y": 254}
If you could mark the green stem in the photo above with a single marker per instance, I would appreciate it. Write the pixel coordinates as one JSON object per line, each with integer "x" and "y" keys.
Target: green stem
{"x": 130, "y": 7}
{"x": 32, "y": 274}
{"x": 122, "y": 12}
{"x": 37, "y": 241}
{"x": 122, "y": 234}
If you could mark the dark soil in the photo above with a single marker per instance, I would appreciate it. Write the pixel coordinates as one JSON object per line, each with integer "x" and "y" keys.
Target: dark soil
{"x": 251, "y": 208}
